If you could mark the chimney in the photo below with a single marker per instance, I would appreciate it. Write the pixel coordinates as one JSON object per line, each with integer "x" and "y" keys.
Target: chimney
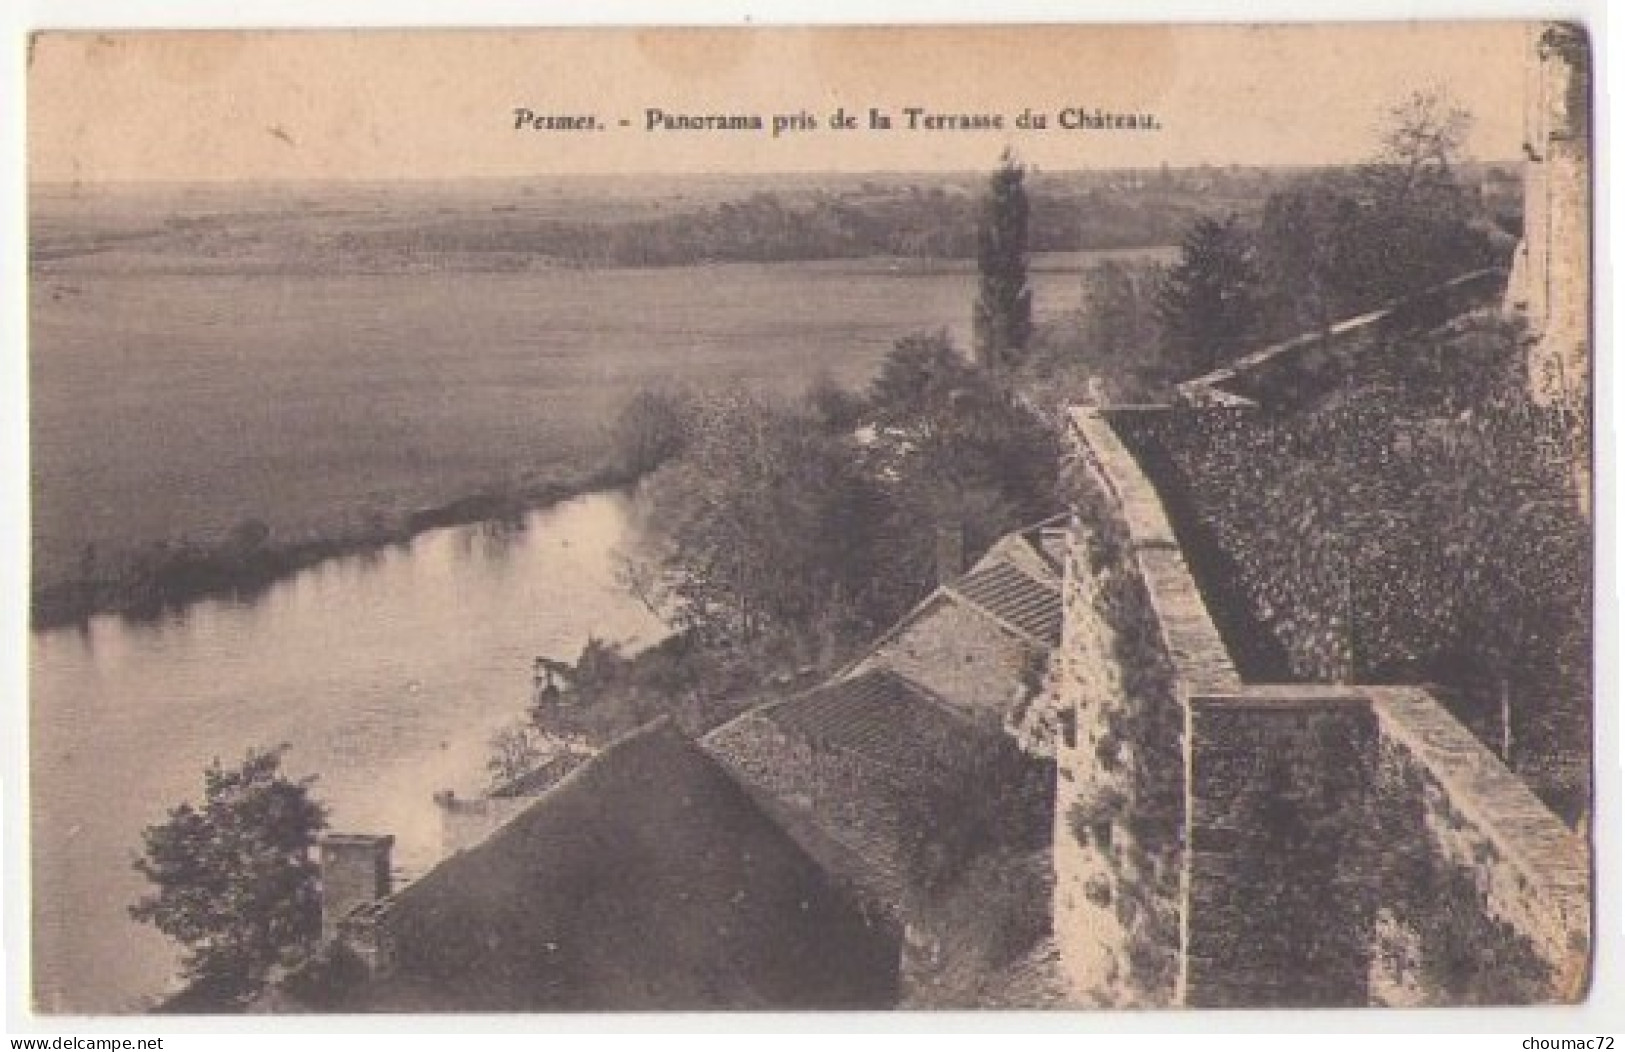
{"x": 950, "y": 552}
{"x": 355, "y": 869}
{"x": 368, "y": 930}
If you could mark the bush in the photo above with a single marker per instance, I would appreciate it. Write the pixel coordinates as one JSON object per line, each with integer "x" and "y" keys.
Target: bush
{"x": 652, "y": 428}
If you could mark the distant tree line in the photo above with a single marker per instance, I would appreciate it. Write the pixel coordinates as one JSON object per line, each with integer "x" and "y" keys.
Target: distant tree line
{"x": 917, "y": 221}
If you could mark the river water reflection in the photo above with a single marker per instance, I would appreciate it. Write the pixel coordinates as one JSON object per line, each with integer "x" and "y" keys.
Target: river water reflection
{"x": 385, "y": 675}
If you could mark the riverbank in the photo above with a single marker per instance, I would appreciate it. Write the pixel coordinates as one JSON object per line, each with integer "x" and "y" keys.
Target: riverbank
{"x": 386, "y": 676}
{"x": 165, "y": 576}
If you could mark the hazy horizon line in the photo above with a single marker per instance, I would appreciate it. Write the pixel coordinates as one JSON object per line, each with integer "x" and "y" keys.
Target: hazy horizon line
{"x": 890, "y": 173}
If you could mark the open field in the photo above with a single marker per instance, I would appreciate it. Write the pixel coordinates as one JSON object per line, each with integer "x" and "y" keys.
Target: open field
{"x": 169, "y": 402}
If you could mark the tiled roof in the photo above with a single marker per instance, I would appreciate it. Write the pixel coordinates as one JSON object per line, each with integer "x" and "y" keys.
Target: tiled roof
{"x": 1016, "y": 598}
{"x": 649, "y": 879}
{"x": 879, "y": 714}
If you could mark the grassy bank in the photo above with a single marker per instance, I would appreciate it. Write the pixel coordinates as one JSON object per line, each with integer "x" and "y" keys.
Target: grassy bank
{"x": 163, "y": 576}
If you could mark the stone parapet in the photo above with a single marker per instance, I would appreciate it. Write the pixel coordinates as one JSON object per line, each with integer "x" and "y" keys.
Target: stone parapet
{"x": 1532, "y": 872}
{"x": 1193, "y": 642}
{"x": 1343, "y": 845}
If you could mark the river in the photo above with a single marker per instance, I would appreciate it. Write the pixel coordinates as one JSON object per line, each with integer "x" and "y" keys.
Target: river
{"x": 385, "y": 675}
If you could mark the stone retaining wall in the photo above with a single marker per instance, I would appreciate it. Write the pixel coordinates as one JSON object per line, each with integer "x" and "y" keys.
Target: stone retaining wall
{"x": 1275, "y": 916}
{"x": 1343, "y": 845}
{"x": 1527, "y": 870}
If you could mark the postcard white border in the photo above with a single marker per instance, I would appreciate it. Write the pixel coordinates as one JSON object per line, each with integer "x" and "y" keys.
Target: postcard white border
{"x": 1602, "y": 1014}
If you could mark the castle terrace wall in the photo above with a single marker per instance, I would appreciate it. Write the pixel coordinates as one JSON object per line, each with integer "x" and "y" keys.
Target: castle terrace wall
{"x": 1276, "y": 916}
{"x": 1132, "y": 647}
{"x": 1523, "y": 868}
{"x": 1092, "y": 787}
{"x": 1193, "y": 642}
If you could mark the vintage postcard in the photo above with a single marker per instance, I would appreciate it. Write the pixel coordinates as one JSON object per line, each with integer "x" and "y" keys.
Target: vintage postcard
{"x": 981, "y": 517}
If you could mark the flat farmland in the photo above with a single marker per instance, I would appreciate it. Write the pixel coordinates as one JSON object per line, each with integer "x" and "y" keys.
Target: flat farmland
{"x": 172, "y": 402}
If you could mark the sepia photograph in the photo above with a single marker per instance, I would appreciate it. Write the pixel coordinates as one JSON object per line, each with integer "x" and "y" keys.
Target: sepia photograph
{"x": 997, "y": 517}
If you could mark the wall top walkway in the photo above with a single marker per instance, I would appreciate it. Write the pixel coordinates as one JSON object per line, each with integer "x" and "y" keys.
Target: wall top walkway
{"x": 1199, "y": 654}
{"x": 1209, "y": 388}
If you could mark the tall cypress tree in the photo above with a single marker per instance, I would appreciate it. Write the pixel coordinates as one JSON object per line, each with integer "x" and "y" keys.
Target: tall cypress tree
{"x": 1003, "y": 318}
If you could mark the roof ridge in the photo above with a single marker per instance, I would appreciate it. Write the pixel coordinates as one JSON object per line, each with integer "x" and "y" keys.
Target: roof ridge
{"x": 913, "y": 686}
{"x": 1059, "y": 517}
{"x": 936, "y": 595}
{"x": 916, "y": 690}
{"x": 661, "y": 726}
{"x": 929, "y": 696}
{"x": 765, "y": 709}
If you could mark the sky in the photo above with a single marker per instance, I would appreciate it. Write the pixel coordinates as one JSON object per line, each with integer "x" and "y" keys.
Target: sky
{"x": 439, "y": 104}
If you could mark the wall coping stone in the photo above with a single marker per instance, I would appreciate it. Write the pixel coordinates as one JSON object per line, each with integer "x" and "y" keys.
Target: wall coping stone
{"x": 1545, "y": 851}
{"x": 1285, "y": 696}
{"x": 1208, "y": 389}
{"x": 1201, "y": 660}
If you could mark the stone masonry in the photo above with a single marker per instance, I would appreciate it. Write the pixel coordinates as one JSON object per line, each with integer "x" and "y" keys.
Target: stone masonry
{"x": 1310, "y": 814}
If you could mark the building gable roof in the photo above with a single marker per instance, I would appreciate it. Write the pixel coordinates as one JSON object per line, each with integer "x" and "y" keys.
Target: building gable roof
{"x": 1027, "y": 608}
{"x": 877, "y": 715}
{"x": 646, "y": 879}
{"x": 1019, "y": 602}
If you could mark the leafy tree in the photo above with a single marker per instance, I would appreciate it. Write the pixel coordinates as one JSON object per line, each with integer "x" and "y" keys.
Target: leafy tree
{"x": 763, "y": 524}
{"x": 953, "y": 449}
{"x": 651, "y": 429}
{"x": 236, "y": 883}
{"x": 1421, "y": 228}
{"x": 1305, "y": 241}
{"x": 941, "y": 417}
{"x": 832, "y": 407}
{"x": 920, "y": 381}
{"x": 1209, "y": 300}
{"x": 1121, "y": 324}
{"x": 1421, "y": 142}
{"x": 1003, "y": 316}
{"x": 1333, "y": 246}
{"x": 1110, "y": 348}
